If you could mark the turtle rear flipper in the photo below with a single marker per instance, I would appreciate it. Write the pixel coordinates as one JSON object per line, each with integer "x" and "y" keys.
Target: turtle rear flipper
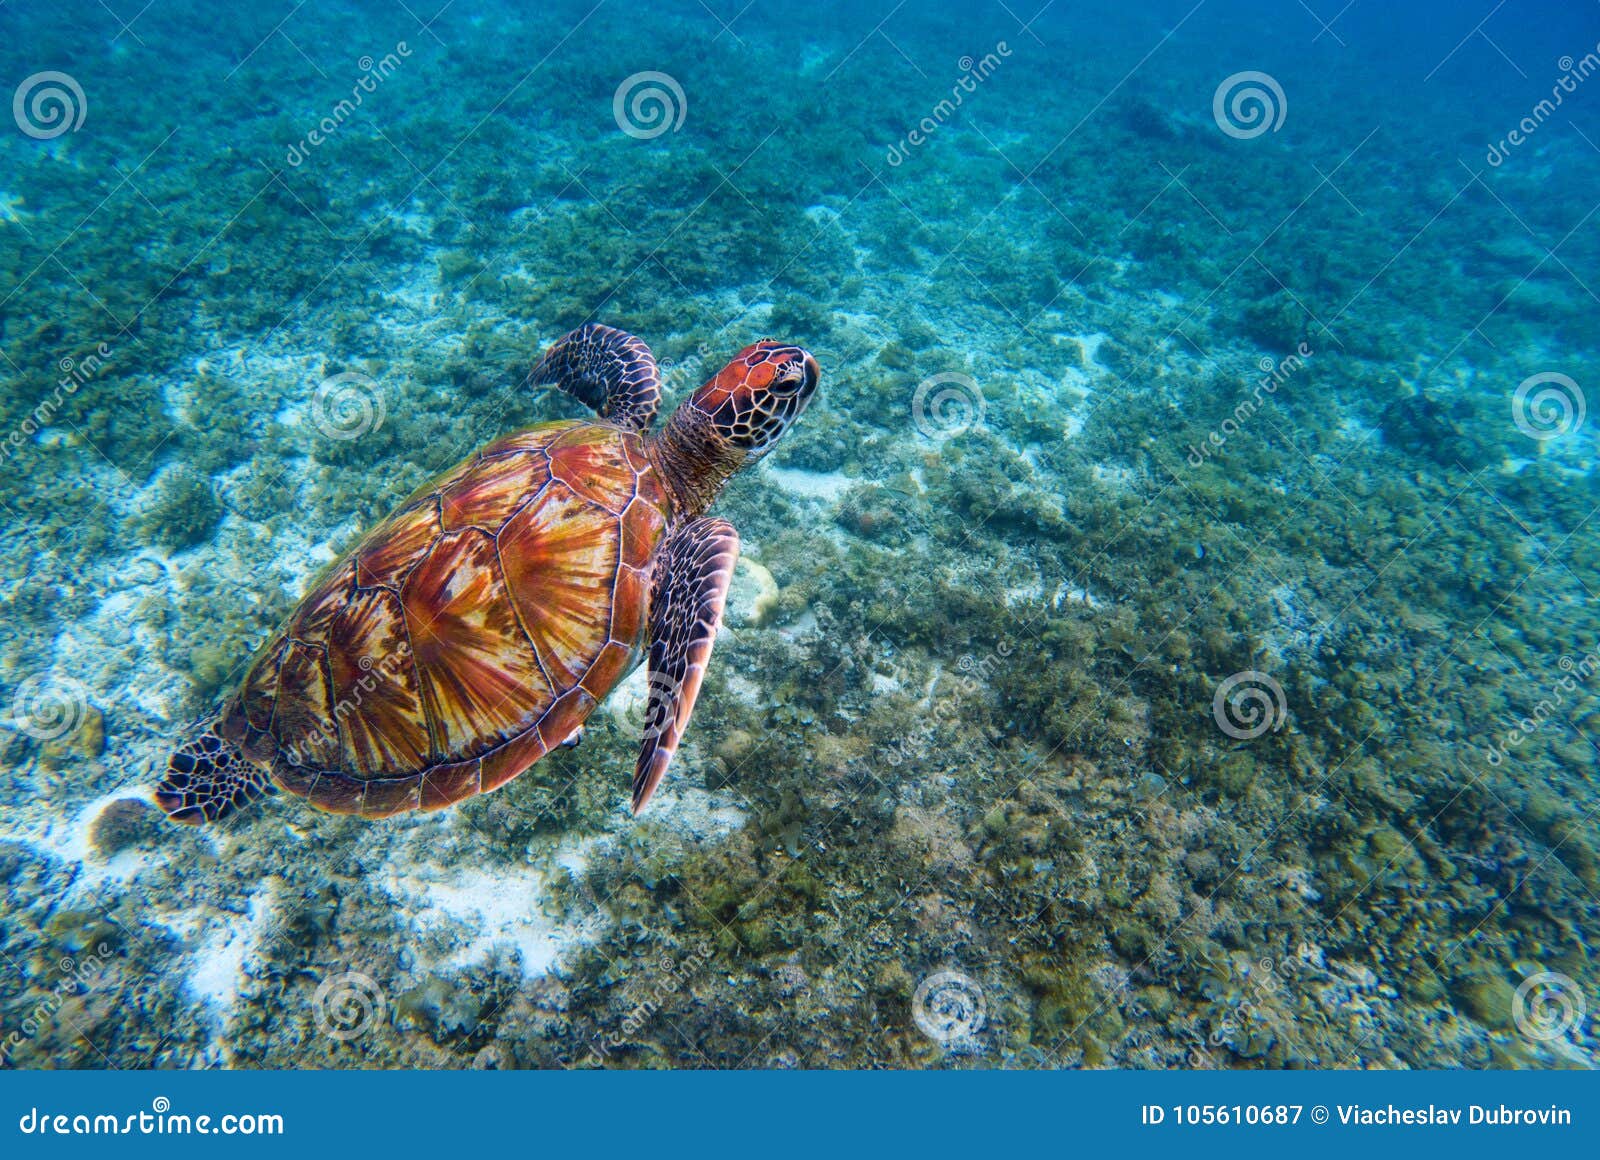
{"x": 208, "y": 778}
{"x": 609, "y": 370}
{"x": 692, "y": 578}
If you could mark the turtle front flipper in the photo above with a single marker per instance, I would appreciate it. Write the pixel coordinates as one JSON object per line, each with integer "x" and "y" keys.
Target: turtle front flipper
{"x": 209, "y": 777}
{"x": 691, "y": 584}
{"x": 607, "y": 369}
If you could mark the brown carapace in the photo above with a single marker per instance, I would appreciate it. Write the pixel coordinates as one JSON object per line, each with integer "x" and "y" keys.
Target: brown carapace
{"x": 476, "y": 627}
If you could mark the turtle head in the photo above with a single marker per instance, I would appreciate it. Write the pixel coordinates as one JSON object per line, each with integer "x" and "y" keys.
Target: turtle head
{"x": 735, "y": 418}
{"x": 753, "y": 399}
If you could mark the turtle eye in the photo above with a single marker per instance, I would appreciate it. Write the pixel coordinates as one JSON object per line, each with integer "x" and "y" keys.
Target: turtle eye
{"x": 788, "y": 380}
{"x": 794, "y": 376}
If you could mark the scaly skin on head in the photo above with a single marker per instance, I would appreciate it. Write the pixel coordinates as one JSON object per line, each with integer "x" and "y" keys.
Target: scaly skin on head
{"x": 732, "y": 421}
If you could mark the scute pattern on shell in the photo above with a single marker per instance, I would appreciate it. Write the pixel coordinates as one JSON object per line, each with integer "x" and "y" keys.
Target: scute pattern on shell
{"x": 470, "y": 632}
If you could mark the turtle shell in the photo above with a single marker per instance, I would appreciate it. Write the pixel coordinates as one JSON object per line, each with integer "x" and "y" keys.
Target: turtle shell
{"x": 468, "y": 633}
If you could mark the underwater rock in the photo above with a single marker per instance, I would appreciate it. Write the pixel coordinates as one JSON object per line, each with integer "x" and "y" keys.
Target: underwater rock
{"x": 438, "y": 1007}
{"x": 753, "y": 594}
{"x": 75, "y": 930}
{"x": 13, "y": 857}
{"x": 491, "y": 1058}
{"x": 736, "y": 745}
{"x": 1486, "y": 997}
{"x": 789, "y": 977}
{"x": 1423, "y": 425}
{"x": 311, "y": 920}
{"x": 1277, "y": 322}
{"x": 181, "y": 512}
{"x": 1147, "y": 119}
{"x": 85, "y": 743}
{"x": 123, "y": 823}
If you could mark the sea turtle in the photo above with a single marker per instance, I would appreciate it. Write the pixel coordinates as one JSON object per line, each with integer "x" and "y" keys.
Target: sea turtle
{"x": 477, "y": 627}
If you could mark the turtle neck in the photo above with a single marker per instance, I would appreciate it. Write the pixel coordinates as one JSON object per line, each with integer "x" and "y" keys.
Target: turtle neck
{"x": 694, "y": 460}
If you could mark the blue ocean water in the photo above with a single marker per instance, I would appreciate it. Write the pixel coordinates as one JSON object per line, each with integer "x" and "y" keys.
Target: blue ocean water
{"x": 1166, "y": 640}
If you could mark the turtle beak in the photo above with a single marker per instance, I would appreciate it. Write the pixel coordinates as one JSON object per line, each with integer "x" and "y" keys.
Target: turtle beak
{"x": 813, "y": 375}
